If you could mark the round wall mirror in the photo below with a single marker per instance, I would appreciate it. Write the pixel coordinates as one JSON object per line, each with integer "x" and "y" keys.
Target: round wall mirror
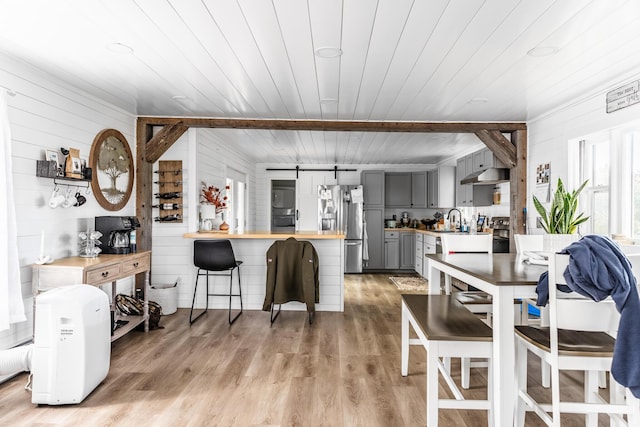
{"x": 112, "y": 169}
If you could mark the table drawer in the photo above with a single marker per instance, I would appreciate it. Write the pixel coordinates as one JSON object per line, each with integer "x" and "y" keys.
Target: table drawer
{"x": 136, "y": 265}
{"x": 104, "y": 274}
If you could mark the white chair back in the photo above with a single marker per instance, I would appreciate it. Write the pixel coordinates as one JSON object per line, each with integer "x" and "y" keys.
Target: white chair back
{"x": 528, "y": 242}
{"x": 474, "y": 243}
{"x": 573, "y": 311}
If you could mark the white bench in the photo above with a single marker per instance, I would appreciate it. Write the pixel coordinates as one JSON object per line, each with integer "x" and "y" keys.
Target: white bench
{"x": 445, "y": 329}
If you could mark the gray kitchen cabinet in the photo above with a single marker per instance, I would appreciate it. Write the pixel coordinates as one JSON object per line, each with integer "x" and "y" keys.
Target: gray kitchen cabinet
{"x": 464, "y": 193}
{"x": 419, "y": 189}
{"x": 391, "y": 250}
{"x": 407, "y": 250}
{"x": 468, "y": 194}
{"x": 397, "y": 186}
{"x": 441, "y": 187}
{"x": 375, "y": 238}
{"x": 373, "y": 188}
{"x": 417, "y": 266}
{"x": 485, "y": 159}
{"x": 406, "y": 189}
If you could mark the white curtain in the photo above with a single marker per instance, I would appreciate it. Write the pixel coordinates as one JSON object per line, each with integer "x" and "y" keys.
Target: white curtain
{"x": 11, "y": 304}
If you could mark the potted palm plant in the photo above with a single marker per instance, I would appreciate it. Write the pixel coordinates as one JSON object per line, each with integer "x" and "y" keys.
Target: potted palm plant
{"x": 561, "y": 220}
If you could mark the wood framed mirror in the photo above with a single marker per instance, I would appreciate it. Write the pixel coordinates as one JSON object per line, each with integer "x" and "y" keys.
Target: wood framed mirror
{"x": 112, "y": 169}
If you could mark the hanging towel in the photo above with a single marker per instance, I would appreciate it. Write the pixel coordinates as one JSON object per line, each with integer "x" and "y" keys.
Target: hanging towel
{"x": 365, "y": 241}
{"x": 597, "y": 269}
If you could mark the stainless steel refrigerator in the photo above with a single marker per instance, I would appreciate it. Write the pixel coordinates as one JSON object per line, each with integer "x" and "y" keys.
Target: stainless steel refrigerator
{"x": 340, "y": 208}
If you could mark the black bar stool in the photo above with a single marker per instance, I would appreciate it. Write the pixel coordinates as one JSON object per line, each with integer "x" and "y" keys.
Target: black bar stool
{"x": 215, "y": 258}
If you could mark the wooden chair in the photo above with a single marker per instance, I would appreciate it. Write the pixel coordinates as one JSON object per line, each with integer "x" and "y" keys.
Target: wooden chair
{"x": 445, "y": 329}
{"x": 578, "y": 338}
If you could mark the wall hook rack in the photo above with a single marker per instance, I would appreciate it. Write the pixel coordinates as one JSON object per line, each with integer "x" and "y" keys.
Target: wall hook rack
{"x": 72, "y": 182}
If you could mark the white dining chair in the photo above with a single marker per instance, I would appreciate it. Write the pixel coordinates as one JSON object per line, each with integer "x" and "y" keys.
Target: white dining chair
{"x": 533, "y": 243}
{"x": 530, "y": 243}
{"x": 579, "y": 337}
{"x": 476, "y": 302}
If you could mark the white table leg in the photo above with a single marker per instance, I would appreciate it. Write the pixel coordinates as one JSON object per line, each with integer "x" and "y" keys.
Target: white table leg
{"x": 503, "y": 356}
{"x": 404, "y": 365}
{"x": 434, "y": 279}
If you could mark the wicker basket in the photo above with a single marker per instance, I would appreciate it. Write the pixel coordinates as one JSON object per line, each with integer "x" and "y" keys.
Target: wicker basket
{"x": 165, "y": 295}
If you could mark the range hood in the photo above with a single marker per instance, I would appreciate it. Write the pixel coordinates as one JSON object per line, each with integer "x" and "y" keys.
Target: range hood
{"x": 487, "y": 177}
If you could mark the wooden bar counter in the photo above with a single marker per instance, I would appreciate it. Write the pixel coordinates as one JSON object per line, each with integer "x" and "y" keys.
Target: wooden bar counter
{"x": 251, "y": 247}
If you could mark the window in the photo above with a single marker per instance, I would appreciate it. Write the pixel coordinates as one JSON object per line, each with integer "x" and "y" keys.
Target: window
{"x": 610, "y": 160}
{"x": 595, "y": 168}
{"x": 634, "y": 143}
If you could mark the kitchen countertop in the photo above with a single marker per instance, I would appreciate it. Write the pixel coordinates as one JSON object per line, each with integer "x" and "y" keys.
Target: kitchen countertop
{"x": 434, "y": 233}
{"x": 311, "y": 234}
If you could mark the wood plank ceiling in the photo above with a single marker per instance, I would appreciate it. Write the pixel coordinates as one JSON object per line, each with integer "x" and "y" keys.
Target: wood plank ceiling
{"x": 402, "y": 60}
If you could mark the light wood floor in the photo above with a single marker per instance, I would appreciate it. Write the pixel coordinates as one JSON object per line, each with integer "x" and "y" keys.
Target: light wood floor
{"x": 344, "y": 370}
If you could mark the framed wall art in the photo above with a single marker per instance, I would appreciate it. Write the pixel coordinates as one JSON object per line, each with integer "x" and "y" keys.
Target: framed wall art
{"x": 112, "y": 169}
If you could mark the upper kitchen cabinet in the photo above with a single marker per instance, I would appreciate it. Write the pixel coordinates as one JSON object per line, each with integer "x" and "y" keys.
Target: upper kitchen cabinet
{"x": 464, "y": 193}
{"x": 405, "y": 190}
{"x": 441, "y": 187}
{"x": 485, "y": 159}
{"x": 373, "y": 183}
{"x": 397, "y": 189}
{"x": 419, "y": 189}
{"x": 469, "y": 194}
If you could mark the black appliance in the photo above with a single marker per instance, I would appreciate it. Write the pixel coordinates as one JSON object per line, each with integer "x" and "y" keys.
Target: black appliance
{"x": 500, "y": 234}
{"x": 116, "y": 232}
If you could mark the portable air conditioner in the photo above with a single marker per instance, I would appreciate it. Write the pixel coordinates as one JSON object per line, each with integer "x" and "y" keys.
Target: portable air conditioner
{"x": 72, "y": 344}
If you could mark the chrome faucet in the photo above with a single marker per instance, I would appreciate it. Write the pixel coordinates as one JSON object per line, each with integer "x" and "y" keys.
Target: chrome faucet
{"x": 459, "y": 218}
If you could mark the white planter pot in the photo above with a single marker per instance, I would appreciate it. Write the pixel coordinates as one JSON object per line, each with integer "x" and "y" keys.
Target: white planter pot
{"x": 556, "y": 242}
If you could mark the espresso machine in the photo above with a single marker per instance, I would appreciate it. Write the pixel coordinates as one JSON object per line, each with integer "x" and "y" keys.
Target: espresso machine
{"x": 116, "y": 231}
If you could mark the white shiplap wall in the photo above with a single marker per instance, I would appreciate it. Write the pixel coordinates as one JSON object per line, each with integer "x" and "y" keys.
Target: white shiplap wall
{"x": 48, "y": 114}
{"x": 549, "y": 136}
{"x": 205, "y": 157}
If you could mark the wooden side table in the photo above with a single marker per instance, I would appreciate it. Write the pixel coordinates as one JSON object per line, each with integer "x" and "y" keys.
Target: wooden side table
{"x": 96, "y": 271}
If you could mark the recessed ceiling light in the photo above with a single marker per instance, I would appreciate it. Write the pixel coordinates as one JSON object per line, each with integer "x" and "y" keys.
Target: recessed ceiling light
{"x": 478, "y": 100}
{"x": 541, "y": 51}
{"x": 328, "y": 101}
{"x": 179, "y": 97}
{"x": 120, "y": 48}
{"x": 328, "y": 52}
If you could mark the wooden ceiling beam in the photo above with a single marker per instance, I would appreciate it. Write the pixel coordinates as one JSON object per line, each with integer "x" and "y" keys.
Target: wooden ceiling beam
{"x": 163, "y": 140}
{"x": 504, "y": 150}
{"x": 336, "y": 125}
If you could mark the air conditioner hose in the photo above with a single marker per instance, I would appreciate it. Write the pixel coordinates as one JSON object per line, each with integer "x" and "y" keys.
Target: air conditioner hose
{"x": 16, "y": 360}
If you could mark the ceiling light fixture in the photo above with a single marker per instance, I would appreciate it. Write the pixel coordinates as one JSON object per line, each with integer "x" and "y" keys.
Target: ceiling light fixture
{"x": 328, "y": 52}
{"x": 478, "y": 100}
{"x": 120, "y": 48}
{"x": 540, "y": 51}
{"x": 328, "y": 101}
{"x": 179, "y": 97}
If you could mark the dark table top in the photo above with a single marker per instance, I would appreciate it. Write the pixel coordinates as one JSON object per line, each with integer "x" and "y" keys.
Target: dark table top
{"x": 497, "y": 269}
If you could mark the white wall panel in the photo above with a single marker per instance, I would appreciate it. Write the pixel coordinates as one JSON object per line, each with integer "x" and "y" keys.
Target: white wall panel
{"x": 48, "y": 114}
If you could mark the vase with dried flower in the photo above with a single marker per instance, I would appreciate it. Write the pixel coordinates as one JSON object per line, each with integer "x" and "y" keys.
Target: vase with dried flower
{"x": 213, "y": 201}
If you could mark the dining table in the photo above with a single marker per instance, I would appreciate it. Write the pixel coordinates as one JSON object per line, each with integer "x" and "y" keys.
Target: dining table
{"x": 505, "y": 276}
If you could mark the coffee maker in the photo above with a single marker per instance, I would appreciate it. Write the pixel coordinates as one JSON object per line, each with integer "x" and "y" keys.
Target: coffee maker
{"x": 115, "y": 233}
